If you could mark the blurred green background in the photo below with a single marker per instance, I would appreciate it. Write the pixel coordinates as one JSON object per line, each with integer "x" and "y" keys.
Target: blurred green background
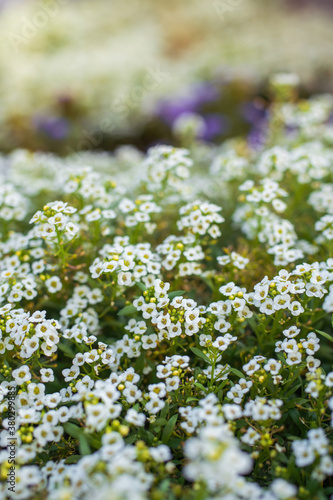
{"x": 85, "y": 75}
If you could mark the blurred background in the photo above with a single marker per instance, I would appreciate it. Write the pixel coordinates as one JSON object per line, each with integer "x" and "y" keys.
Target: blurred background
{"x": 85, "y": 75}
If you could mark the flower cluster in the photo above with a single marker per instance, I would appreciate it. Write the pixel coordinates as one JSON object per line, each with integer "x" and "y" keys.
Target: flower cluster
{"x": 151, "y": 353}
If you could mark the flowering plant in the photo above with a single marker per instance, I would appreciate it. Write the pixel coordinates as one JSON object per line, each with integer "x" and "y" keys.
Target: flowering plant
{"x": 170, "y": 337}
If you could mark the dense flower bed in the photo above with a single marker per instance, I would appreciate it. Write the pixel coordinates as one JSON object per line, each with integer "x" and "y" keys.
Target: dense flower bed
{"x": 170, "y": 336}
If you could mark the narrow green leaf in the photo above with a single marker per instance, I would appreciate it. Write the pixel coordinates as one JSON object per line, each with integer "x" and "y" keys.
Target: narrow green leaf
{"x": 240, "y": 423}
{"x": 160, "y": 421}
{"x": 236, "y": 372}
{"x": 293, "y": 390}
{"x": 164, "y": 486}
{"x": 127, "y": 310}
{"x": 149, "y": 438}
{"x": 294, "y": 413}
{"x": 281, "y": 457}
{"x": 191, "y": 398}
{"x": 208, "y": 282}
{"x": 65, "y": 349}
{"x": 174, "y": 443}
{"x": 200, "y": 386}
{"x": 78, "y": 433}
{"x": 324, "y": 334}
{"x": 177, "y": 293}
{"x": 200, "y": 354}
{"x": 96, "y": 443}
{"x": 165, "y": 410}
{"x": 294, "y": 402}
{"x": 73, "y": 459}
{"x": 84, "y": 446}
{"x": 168, "y": 429}
{"x": 73, "y": 430}
{"x": 140, "y": 362}
{"x": 281, "y": 358}
{"x": 141, "y": 286}
{"x": 131, "y": 439}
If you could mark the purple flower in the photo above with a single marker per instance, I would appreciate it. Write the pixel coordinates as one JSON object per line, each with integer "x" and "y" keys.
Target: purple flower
{"x": 215, "y": 124}
{"x": 196, "y": 96}
{"x": 324, "y": 4}
{"x": 253, "y": 113}
{"x": 256, "y": 138}
{"x": 55, "y": 127}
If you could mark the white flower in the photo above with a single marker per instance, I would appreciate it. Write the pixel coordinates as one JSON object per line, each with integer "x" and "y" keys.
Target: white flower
{"x": 172, "y": 383}
{"x": 53, "y": 284}
{"x": 48, "y": 230}
{"x": 291, "y": 332}
{"x": 303, "y": 453}
{"x": 282, "y": 489}
{"x": 273, "y": 366}
{"x": 155, "y": 405}
{"x": 329, "y": 380}
{"x": 312, "y": 363}
{"x": 294, "y": 358}
{"x": 71, "y": 373}
{"x": 132, "y": 393}
{"x": 250, "y": 437}
{"x": 232, "y": 411}
{"x": 135, "y": 418}
{"x": 251, "y": 367}
{"x": 296, "y": 308}
{"x": 149, "y": 341}
{"x": 21, "y": 375}
{"x": 161, "y": 453}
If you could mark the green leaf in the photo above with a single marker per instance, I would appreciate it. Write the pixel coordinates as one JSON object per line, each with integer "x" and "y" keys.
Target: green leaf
{"x": 72, "y": 429}
{"x": 324, "y": 334}
{"x": 200, "y": 354}
{"x": 240, "y": 423}
{"x": 149, "y": 438}
{"x": 127, "y": 310}
{"x": 160, "y": 421}
{"x": 220, "y": 387}
{"x": 281, "y": 457}
{"x": 281, "y": 358}
{"x": 236, "y": 372}
{"x": 73, "y": 459}
{"x": 294, "y": 413}
{"x": 165, "y": 410}
{"x": 78, "y": 433}
{"x": 294, "y": 402}
{"x": 164, "y": 486}
{"x": 131, "y": 439}
{"x": 66, "y": 349}
{"x": 174, "y": 443}
{"x": 168, "y": 429}
{"x": 293, "y": 390}
{"x": 96, "y": 443}
{"x": 178, "y": 293}
{"x": 140, "y": 362}
{"x": 208, "y": 282}
{"x": 84, "y": 446}
{"x": 200, "y": 386}
{"x": 141, "y": 286}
